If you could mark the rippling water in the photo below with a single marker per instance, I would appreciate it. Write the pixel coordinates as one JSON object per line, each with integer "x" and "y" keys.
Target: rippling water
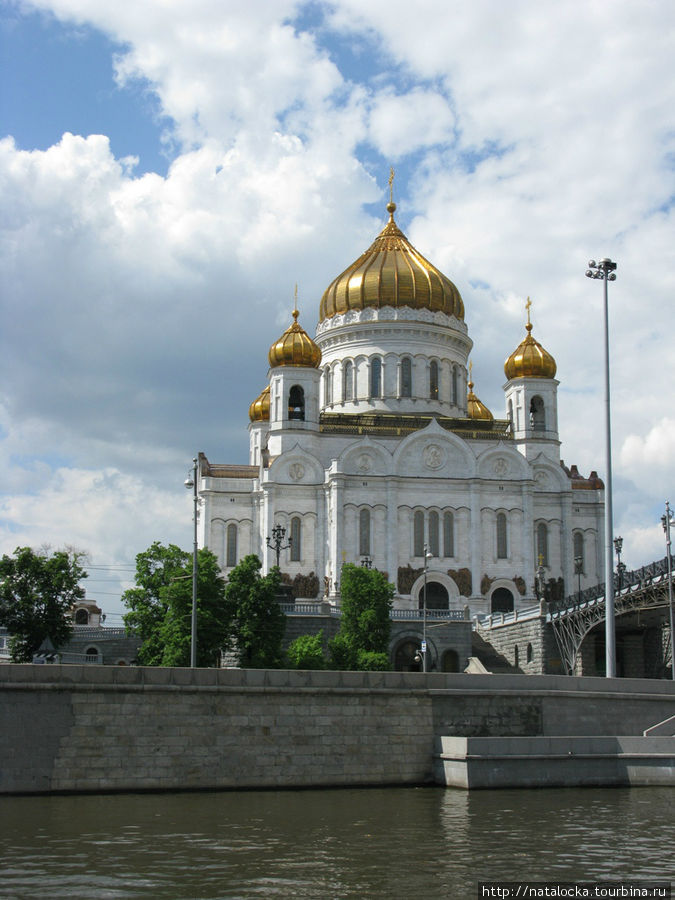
{"x": 380, "y": 843}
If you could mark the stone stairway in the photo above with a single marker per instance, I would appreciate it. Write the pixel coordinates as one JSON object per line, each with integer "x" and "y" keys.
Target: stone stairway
{"x": 491, "y": 660}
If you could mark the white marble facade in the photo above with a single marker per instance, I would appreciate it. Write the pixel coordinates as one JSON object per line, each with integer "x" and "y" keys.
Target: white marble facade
{"x": 380, "y": 457}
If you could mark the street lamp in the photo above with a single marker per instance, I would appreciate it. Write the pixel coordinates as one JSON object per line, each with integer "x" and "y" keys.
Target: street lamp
{"x": 578, "y": 571}
{"x": 191, "y": 482}
{"x": 667, "y": 520}
{"x": 427, "y": 557}
{"x": 620, "y": 567}
{"x": 605, "y": 269}
{"x": 276, "y": 543}
{"x": 366, "y": 562}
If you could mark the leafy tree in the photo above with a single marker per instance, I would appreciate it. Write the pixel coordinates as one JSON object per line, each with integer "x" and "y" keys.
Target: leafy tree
{"x": 258, "y": 622}
{"x": 365, "y": 626}
{"x": 37, "y": 591}
{"x": 306, "y": 652}
{"x": 160, "y": 607}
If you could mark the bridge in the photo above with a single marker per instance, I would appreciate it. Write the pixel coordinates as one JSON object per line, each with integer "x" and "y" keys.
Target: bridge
{"x": 573, "y": 617}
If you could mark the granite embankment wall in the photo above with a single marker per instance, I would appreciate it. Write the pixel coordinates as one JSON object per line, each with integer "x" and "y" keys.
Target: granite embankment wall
{"x": 98, "y": 728}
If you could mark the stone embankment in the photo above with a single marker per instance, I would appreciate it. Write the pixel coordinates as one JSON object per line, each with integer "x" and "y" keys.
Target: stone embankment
{"x": 99, "y": 728}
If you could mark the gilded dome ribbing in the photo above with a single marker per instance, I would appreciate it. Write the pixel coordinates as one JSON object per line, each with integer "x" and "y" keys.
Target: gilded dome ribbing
{"x": 529, "y": 359}
{"x": 259, "y": 410}
{"x": 295, "y": 348}
{"x": 391, "y": 273}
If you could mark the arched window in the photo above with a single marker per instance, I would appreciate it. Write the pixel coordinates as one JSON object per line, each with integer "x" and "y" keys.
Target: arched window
{"x": 348, "y": 381}
{"x": 406, "y": 377}
{"x": 376, "y": 378}
{"x": 82, "y": 617}
{"x": 364, "y": 532}
{"x": 448, "y": 534}
{"x": 433, "y": 380}
{"x": 542, "y": 544}
{"x": 510, "y": 413}
{"x": 433, "y": 533}
{"x": 327, "y": 386}
{"x": 579, "y": 551}
{"x": 418, "y": 533}
{"x": 455, "y": 387}
{"x": 231, "y": 548}
{"x": 296, "y": 403}
{"x": 296, "y": 539}
{"x": 516, "y": 656}
{"x": 502, "y": 547}
{"x": 537, "y": 417}
{"x": 530, "y": 653}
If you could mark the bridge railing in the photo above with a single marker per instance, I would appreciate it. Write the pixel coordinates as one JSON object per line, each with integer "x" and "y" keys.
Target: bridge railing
{"x": 628, "y": 582}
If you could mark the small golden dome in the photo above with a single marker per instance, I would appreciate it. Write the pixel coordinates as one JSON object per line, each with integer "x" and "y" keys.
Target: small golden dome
{"x": 259, "y": 410}
{"x": 474, "y": 407}
{"x": 529, "y": 359}
{"x": 295, "y": 348}
{"x": 391, "y": 273}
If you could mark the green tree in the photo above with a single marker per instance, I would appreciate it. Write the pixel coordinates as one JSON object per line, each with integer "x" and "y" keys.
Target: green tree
{"x": 37, "y": 591}
{"x": 306, "y": 652}
{"x": 258, "y": 622}
{"x": 365, "y": 625}
{"x": 160, "y": 607}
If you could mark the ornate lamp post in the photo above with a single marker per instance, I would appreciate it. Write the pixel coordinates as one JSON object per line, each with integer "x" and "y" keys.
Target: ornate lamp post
{"x": 578, "y": 571}
{"x": 366, "y": 562}
{"x": 605, "y": 269}
{"x": 620, "y": 567}
{"x": 276, "y": 542}
{"x": 191, "y": 482}
{"x": 667, "y": 520}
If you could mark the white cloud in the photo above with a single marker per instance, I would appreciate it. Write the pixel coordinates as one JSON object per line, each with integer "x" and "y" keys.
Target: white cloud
{"x": 139, "y": 310}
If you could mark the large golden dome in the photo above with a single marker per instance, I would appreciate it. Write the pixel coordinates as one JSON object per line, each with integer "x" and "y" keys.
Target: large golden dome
{"x": 295, "y": 348}
{"x": 529, "y": 359}
{"x": 391, "y": 273}
{"x": 259, "y": 410}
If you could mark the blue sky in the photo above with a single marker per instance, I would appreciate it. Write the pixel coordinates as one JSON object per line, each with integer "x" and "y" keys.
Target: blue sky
{"x": 139, "y": 299}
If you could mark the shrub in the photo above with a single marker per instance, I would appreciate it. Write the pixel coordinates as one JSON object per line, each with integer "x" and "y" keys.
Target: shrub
{"x": 306, "y": 652}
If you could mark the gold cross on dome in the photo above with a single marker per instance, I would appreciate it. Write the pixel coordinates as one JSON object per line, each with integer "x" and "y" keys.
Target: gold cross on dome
{"x": 391, "y": 184}
{"x": 527, "y": 307}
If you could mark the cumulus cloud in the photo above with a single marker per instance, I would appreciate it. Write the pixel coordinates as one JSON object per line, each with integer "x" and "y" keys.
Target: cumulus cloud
{"x": 138, "y": 310}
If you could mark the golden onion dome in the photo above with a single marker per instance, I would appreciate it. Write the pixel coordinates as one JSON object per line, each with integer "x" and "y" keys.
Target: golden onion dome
{"x": 391, "y": 273}
{"x": 295, "y": 348}
{"x": 259, "y": 410}
{"x": 474, "y": 407}
{"x": 529, "y": 359}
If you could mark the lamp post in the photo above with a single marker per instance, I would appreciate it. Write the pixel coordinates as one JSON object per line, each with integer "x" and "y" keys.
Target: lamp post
{"x": 667, "y": 520}
{"x": 191, "y": 482}
{"x": 276, "y": 543}
{"x": 366, "y": 562}
{"x": 578, "y": 571}
{"x": 605, "y": 269}
{"x": 427, "y": 557}
{"x": 620, "y": 567}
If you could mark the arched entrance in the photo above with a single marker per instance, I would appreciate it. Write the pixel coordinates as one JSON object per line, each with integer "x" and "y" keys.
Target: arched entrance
{"x": 437, "y": 596}
{"x": 501, "y": 601}
{"x": 404, "y": 657}
{"x": 450, "y": 661}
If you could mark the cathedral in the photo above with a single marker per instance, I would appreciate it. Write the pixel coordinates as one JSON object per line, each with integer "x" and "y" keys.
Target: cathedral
{"x": 368, "y": 445}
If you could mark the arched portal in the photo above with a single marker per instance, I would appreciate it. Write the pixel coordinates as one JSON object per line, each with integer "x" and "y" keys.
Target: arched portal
{"x": 501, "y": 601}
{"x": 437, "y": 596}
{"x": 405, "y": 656}
{"x": 450, "y": 661}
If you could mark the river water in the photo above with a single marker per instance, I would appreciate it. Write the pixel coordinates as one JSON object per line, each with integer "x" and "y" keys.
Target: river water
{"x": 371, "y": 843}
